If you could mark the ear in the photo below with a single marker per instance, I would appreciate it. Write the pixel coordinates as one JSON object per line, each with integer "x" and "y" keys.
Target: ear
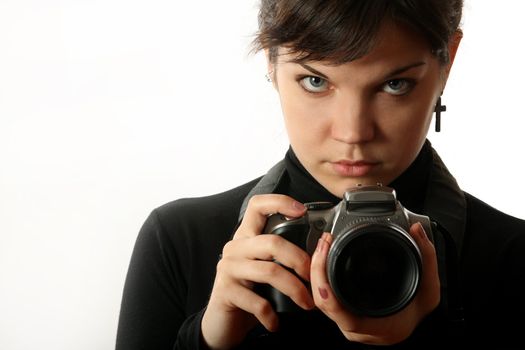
{"x": 270, "y": 66}
{"x": 453, "y": 45}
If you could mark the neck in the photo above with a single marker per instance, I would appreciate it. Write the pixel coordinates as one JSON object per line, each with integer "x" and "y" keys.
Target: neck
{"x": 410, "y": 186}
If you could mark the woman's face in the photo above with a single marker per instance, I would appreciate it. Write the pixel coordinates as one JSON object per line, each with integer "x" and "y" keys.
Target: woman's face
{"x": 365, "y": 121}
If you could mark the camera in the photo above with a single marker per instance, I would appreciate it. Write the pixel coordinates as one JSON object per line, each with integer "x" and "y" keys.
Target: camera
{"x": 373, "y": 264}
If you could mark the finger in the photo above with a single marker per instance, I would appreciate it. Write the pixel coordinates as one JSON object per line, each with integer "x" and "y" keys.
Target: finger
{"x": 323, "y": 295}
{"x": 270, "y": 247}
{"x": 428, "y": 252}
{"x": 271, "y": 273}
{"x": 430, "y": 284}
{"x": 250, "y": 260}
{"x": 275, "y": 247}
{"x": 260, "y": 206}
{"x": 319, "y": 280}
{"x": 249, "y": 301}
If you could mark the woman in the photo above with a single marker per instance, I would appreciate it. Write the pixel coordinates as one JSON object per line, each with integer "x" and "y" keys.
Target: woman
{"x": 359, "y": 82}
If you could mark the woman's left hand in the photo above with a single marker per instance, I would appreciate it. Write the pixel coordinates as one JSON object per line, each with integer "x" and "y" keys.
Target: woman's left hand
{"x": 385, "y": 330}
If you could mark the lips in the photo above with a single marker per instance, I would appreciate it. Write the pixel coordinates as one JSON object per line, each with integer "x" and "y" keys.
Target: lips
{"x": 349, "y": 168}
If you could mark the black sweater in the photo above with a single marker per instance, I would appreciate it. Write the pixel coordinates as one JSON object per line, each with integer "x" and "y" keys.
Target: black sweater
{"x": 173, "y": 265}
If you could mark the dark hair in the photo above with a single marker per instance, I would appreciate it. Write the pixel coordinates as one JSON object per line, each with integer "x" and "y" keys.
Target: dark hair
{"x": 340, "y": 31}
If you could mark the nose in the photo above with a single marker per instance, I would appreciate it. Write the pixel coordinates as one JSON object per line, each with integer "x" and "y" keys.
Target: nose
{"x": 353, "y": 121}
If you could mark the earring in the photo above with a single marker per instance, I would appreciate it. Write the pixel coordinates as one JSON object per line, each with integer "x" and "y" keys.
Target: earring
{"x": 269, "y": 76}
{"x": 438, "y": 109}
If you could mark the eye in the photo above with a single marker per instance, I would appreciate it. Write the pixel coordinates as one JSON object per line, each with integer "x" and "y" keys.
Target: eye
{"x": 313, "y": 84}
{"x": 398, "y": 86}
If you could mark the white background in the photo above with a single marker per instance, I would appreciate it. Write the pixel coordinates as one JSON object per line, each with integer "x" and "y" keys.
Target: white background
{"x": 109, "y": 108}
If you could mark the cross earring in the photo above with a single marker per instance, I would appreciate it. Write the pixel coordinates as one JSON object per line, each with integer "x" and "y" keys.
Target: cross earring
{"x": 438, "y": 109}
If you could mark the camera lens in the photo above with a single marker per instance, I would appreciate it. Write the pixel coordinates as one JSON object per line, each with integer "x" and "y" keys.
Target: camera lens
{"x": 374, "y": 269}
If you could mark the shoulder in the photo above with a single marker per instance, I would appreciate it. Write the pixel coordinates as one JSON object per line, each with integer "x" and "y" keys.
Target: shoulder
{"x": 192, "y": 226}
{"x": 492, "y": 235}
{"x": 225, "y": 203}
{"x": 483, "y": 216}
{"x": 186, "y": 217}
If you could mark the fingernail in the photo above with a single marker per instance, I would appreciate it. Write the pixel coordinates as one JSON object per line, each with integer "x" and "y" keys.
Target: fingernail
{"x": 421, "y": 231}
{"x": 298, "y": 206}
{"x": 323, "y": 293}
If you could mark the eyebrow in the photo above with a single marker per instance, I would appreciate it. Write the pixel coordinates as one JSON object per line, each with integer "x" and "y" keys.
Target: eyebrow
{"x": 405, "y": 68}
{"x": 313, "y": 70}
{"x": 390, "y": 75}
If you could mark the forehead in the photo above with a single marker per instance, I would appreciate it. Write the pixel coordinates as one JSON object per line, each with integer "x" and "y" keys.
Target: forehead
{"x": 394, "y": 42}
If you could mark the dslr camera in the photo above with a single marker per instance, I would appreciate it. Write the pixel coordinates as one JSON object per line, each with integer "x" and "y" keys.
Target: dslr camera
{"x": 373, "y": 264}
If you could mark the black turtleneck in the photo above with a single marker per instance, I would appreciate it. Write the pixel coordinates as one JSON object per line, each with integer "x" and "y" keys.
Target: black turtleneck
{"x": 173, "y": 267}
{"x": 410, "y": 186}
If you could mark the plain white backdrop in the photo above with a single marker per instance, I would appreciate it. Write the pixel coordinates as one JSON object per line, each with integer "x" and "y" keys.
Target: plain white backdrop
{"x": 109, "y": 108}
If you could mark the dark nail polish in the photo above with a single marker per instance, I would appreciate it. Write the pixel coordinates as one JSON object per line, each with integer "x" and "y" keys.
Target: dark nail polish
{"x": 323, "y": 293}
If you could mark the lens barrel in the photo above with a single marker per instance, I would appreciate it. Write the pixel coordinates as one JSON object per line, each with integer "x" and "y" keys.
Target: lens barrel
{"x": 374, "y": 269}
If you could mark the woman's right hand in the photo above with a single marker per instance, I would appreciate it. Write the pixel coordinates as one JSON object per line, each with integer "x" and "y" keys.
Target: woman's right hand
{"x": 234, "y": 308}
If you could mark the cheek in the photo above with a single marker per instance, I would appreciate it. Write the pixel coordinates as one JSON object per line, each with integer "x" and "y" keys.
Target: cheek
{"x": 410, "y": 121}
{"x": 402, "y": 129}
{"x": 420, "y": 123}
{"x": 410, "y": 134}
{"x": 305, "y": 121}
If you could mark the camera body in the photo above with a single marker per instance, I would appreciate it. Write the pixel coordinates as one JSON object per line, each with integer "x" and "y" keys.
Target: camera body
{"x": 373, "y": 264}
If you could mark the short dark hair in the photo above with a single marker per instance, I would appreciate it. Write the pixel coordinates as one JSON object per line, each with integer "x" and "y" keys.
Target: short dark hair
{"x": 341, "y": 31}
